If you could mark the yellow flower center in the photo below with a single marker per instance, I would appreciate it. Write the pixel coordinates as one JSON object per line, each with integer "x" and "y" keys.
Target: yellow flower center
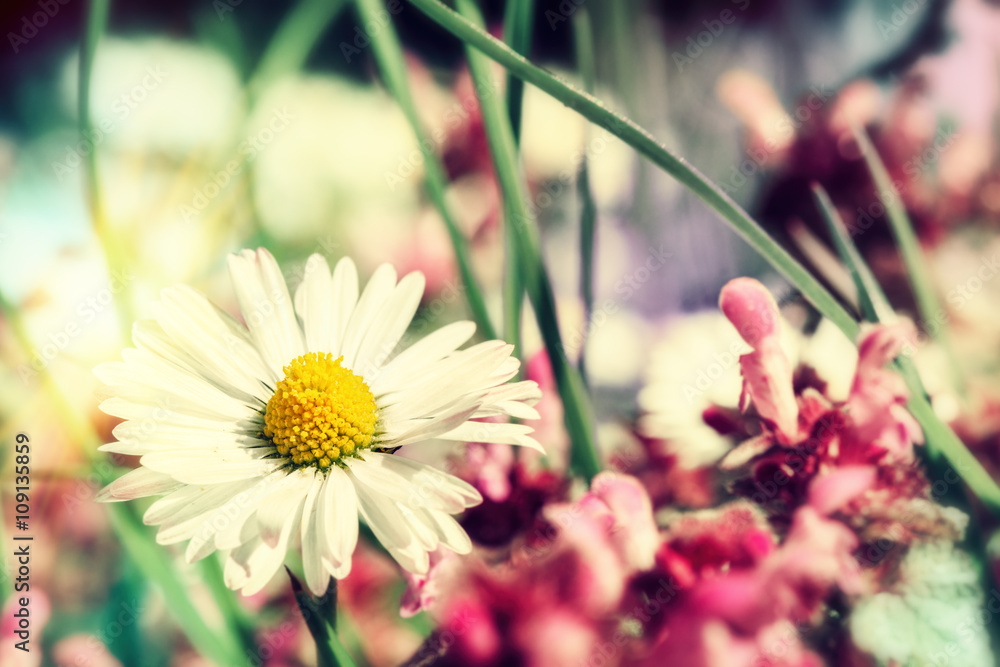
{"x": 321, "y": 412}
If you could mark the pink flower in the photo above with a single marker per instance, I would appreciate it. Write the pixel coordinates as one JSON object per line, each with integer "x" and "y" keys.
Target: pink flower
{"x": 743, "y": 597}
{"x": 767, "y": 372}
{"x": 878, "y": 396}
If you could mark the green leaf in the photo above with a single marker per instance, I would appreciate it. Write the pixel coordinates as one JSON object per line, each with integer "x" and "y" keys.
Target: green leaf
{"x": 576, "y": 402}
{"x": 936, "y": 616}
{"x": 392, "y": 64}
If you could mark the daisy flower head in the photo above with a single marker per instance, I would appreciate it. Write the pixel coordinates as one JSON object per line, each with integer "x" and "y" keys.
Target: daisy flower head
{"x": 281, "y": 432}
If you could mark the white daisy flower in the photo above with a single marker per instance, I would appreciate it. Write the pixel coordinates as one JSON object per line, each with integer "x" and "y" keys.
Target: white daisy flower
{"x": 280, "y": 433}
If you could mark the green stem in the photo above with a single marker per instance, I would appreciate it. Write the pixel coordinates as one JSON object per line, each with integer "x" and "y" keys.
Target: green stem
{"x": 392, "y": 64}
{"x": 576, "y": 402}
{"x": 632, "y": 134}
{"x": 329, "y": 651}
{"x": 518, "y": 25}
{"x": 294, "y": 40}
{"x": 874, "y": 305}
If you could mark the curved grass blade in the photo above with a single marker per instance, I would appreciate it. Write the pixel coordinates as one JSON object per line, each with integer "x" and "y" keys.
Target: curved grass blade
{"x": 632, "y": 134}
{"x": 928, "y": 304}
{"x": 874, "y": 305}
{"x": 576, "y": 402}
{"x": 941, "y": 440}
{"x": 294, "y": 40}
{"x": 392, "y": 64}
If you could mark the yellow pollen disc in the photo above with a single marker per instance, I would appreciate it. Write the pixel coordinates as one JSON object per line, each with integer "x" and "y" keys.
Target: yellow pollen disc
{"x": 321, "y": 412}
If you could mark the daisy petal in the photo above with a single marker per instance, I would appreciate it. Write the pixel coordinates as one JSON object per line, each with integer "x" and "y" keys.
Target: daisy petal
{"x": 266, "y": 307}
{"x": 138, "y": 483}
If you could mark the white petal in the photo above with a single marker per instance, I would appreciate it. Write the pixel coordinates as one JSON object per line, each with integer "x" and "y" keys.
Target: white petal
{"x": 378, "y": 289}
{"x": 313, "y": 299}
{"x": 191, "y": 500}
{"x": 413, "y": 483}
{"x": 267, "y": 308}
{"x": 420, "y": 430}
{"x": 138, "y": 483}
{"x": 409, "y": 363}
{"x": 338, "y": 520}
{"x": 147, "y": 378}
{"x": 449, "y": 532}
{"x": 279, "y": 505}
{"x": 507, "y": 434}
{"x": 137, "y": 438}
{"x": 156, "y": 414}
{"x": 189, "y": 327}
{"x": 391, "y": 528}
{"x": 345, "y": 298}
{"x": 313, "y": 547}
{"x": 463, "y": 373}
{"x": 390, "y": 324}
{"x": 230, "y": 517}
{"x": 208, "y": 467}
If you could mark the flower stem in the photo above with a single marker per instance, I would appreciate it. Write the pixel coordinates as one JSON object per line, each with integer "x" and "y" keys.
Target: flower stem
{"x": 928, "y": 304}
{"x": 321, "y": 623}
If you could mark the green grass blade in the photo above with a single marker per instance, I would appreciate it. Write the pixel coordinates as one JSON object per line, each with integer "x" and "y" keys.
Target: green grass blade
{"x": 928, "y": 304}
{"x": 874, "y": 305}
{"x": 294, "y": 40}
{"x": 576, "y": 402}
{"x": 595, "y": 111}
{"x": 517, "y": 31}
{"x": 942, "y": 443}
{"x": 154, "y": 562}
{"x": 583, "y": 46}
{"x": 518, "y": 28}
{"x": 392, "y": 64}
